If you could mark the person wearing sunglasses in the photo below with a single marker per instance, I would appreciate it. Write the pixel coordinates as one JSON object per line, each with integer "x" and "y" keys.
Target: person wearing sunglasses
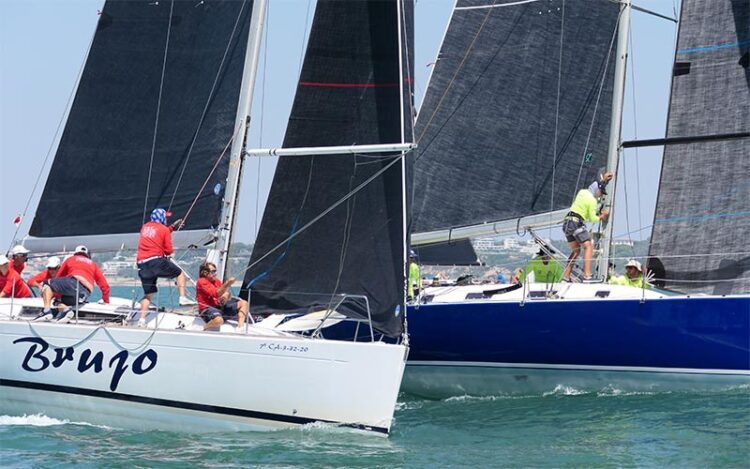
{"x": 53, "y": 265}
{"x": 18, "y": 257}
{"x": 215, "y": 301}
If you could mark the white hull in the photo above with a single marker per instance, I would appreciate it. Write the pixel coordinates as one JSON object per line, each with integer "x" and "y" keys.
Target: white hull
{"x": 195, "y": 381}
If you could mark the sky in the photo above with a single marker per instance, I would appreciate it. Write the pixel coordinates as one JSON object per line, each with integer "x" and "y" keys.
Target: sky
{"x": 43, "y": 45}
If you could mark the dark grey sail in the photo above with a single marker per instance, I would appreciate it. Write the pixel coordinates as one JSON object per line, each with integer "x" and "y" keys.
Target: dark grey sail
{"x": 493, "y": 142}
{"x": 456, "y": 253}
{"x": 130, "y": 100}
{"x": 702, "y": 221}
{"x": 351, "y": 91}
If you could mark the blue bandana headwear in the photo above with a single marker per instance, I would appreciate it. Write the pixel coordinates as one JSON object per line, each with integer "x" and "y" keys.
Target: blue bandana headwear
{"x": 159, "y": 215}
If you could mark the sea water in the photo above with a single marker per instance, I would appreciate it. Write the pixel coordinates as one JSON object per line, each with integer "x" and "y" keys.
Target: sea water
{"x": 563, "y": 427}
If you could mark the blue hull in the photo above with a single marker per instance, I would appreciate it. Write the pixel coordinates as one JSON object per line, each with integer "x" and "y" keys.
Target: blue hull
{"x": 504, "y": 347}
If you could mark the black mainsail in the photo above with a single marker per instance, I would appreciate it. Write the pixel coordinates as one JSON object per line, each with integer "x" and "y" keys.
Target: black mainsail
{"x": 702, "y": 220}
{"x": 154, "y": 111}
{"x": 351, "y": 91}
{"x": 517, "y": 114}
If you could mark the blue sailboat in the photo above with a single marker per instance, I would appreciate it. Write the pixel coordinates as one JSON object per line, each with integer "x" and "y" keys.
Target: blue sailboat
{"x": 523, "y": 109}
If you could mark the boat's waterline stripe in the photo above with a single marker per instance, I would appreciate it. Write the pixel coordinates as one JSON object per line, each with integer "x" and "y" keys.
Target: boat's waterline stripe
{"x": 545, "y": 366}
{"x": 497, "y": 5}
{"x": 183, "y": 405}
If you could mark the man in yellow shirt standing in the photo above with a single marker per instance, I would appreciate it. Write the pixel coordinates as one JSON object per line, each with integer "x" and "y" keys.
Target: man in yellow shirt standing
{"x": 584, "y": 209}
{"x": 415, "y": 280}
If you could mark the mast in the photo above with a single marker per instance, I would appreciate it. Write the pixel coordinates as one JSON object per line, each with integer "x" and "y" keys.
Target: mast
{"x": 220, "y": 252}
{"x": 404, "y": 221}
{"x": 615, "y": 133}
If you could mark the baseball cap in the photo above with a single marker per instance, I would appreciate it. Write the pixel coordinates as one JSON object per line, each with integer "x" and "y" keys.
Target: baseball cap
{"x": 53, "y": 262}
{"x": 3, "y": 260}
{"x": 412, "y": 253}
{"x": 81, "y": 249}
{"x": 18, "y": 249}
{"x": 633, "y": 263}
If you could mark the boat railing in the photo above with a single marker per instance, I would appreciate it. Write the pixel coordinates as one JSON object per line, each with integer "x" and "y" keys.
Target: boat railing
{"x": 358, "y": 300}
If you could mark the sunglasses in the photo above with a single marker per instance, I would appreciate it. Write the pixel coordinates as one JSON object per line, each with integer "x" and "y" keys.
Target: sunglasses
{"x": 211, "y": 271}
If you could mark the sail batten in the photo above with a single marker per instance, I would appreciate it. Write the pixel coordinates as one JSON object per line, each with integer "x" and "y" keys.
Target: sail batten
{"x": 153, "y": 115}
{"x": 497, "y": 141}
{"x": 702, "y": 218}
{"x": 332, "y": 234}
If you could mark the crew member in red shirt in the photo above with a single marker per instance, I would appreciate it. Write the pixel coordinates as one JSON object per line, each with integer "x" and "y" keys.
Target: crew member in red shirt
{"x": 74, "y": 283}
{"x": 19, "y": 255}
{"x": 11, "y": 283}
{"x": 154, "y": 249}
{"x": 53, "y": 265}
{"x": 215, "y": 301}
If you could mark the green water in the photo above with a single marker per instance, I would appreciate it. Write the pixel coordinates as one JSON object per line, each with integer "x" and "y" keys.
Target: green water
{"x": 560, "y": 429}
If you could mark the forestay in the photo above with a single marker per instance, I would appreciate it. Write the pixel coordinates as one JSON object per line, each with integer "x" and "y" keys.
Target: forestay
{"x": 702, "y": 220}
{"x": 154, "y": 110}
{"x": 351, "y": 91}
{"x": 516, "y": 116}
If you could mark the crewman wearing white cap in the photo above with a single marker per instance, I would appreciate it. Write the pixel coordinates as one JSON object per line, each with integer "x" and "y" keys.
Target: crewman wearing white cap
{"x": 53, "y": 265}
{"x": 633, "y": 276}
{"x": 73, "y": 283}
{"x": 18, "y": 256}
{"x": 11, "y": 283}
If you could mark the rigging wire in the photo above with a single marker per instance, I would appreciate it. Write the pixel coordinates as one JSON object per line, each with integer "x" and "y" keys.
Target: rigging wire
{"x": 288, "y": 240}
{"x": 60, "y": 123}
{"x": 158, "y": 111}
{"x": 596, "y": 105}
{"x": 455, "y": 74}
{"x": 211, "y": 173}
{"x": 282, "y": 255}
{"x": 635, "y": 130}
{"x": 346, "y": 236}
{"x": 262, "y": 117}
{"x": 325, "y": 212}
{"x": 557, "y": 109}
{"x": 209, "y": 99}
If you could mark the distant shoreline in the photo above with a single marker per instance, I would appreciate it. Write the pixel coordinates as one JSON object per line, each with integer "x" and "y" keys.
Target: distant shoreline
{"x": 135, "y": 282}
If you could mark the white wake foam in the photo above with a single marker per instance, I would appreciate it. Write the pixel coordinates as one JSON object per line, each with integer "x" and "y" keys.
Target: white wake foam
{"x": 40, "y": 420}
{"x": 562, "y": 390}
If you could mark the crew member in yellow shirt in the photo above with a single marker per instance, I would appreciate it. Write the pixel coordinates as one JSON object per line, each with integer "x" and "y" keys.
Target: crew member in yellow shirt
{"x": 584, "y": 209}
{"x": 633, "y": 276}
{"x": 415, "y": 280}
{"x": 545, "y": 269}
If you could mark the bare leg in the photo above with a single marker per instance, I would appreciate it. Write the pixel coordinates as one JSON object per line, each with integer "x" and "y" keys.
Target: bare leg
{"x": 145, "y": 303}
{"x": 242, "y": 314}
{"x": 587, "y": 251}
{"x": 47, "y": 297}
{"x": 575, "y": 249}
{"x": 215, "y": 323}
{"x": 181, "y": 283}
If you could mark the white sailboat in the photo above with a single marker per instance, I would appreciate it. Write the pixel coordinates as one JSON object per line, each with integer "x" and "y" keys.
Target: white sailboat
{"x": 197, "y": 79}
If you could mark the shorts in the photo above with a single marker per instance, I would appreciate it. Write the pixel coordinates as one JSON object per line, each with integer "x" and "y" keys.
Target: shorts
{"x": 229, "y": 310}
{"x": 68, "y": 288}
{"x": 154, "y": 269}
{"x": 575, "y": 230}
